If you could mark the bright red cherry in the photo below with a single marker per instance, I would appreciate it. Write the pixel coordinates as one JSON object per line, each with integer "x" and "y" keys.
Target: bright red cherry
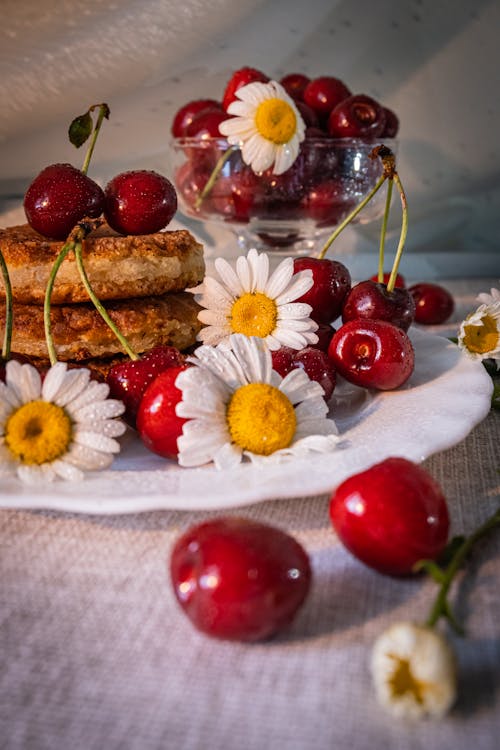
{"x": 157, "y": 423}
{"x": 324, "y": 93}
{"x": 139, "y": 202}
{"x": 391, "y": 516}
{"x": 186, "y": 114}
{"x": 332, "y": 282}
{"x": 433, "y": 303}
{"x": 400, "y": 280}
{"x": 371, "y": 300}
{"x": 58, "y": 198}
{"x": 295, "y": 84}
{"x": 241, "y": 77}
{"x": 372, "y": 354}
{"x": 128, "y": 380}
{"x": 312, "y": 360}
{"x": 238, "y": 579}
{"x": 358, "y": 116}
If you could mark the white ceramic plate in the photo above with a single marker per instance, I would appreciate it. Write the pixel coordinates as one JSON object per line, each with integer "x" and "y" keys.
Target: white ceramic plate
{"x": 447, "y": 395}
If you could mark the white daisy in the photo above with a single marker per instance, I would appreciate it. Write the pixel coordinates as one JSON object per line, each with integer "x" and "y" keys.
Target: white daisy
{"x": 56, "y": 428}
{"x": 414, "y": 672}
{"x": 237, "y": 405}
{"x": 267, "y": 126}
{"x": 479, "y": 334}
{"x": 252, "y": 302}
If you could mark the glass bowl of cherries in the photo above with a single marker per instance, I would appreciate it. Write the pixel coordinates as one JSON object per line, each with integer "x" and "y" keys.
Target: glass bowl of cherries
{"x": 290, "y": 212}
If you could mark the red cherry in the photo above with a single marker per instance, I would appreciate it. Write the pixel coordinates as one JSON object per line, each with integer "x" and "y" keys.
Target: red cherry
{"x": 235, "y": 196}
{"x": 206, "y": 124}
{"x": 190, "y": 180}
{"x": 400, "y": 280}
{"x": 186, "y": 114}
{"x": 372, "y": 354}
{"x": 358, "y": 116}
{"x": 241, "y": 77}
{"x": 237, "y": 579}
{"x": 157, "y": 423}
{"x": 312, "y": 360}
{"x": 327, "y": 202}
{"x": 295, "y": 84}
{"x": 391, "y": 127}
{"x": 128, "y": 380}
{"x": 332, "y": 282}
{"x": 433, "y": 303}
{"x": 324, "y": 333}
{"x": 139, "y": 202}
{"x": 308, "y": 115}
{"x": 324, "y": 93}
{"x": 391, "y": 515}
{"x": 58, "y": 198}
{"x": 371, "y": 300}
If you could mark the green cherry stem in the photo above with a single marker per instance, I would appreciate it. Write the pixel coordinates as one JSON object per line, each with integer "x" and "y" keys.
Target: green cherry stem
{"x": 98, "y": 304}
{"x": 383, "y": 230}
{"x": 66, "y": 248}
{"x": 402, "y": 238}
{"x": 215, "y": 173}
{"x": 103, "y": 112}
{"x": 352, "y": 216}
{"x": 441, "y": 607}
{"x": 8, "y": 308}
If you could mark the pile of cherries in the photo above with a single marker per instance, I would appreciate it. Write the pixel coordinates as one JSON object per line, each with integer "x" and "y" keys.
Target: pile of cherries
{"x": 134, "y": 202}
{"x": 319, "y": 186}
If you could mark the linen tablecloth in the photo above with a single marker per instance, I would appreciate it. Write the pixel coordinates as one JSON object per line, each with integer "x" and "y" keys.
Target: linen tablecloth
{"x": 96, "y": 654}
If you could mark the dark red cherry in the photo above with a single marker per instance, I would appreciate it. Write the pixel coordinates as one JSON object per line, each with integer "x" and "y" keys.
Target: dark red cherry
{"x": 391, "y": 127}
{"x": 391, "y": 516}
{"x": 58, "y": 198}
{"x": 327, "y": 202}
{"x": 128, "y": 380}
{"x": 312, "y": 360}
{"x": 186, "y": 114}
{"x": 324, "y": 93}
{"x": 400, "y": 280}
{"x": 139, "y": 202}
{"x": 238, "y": 579}
{"x": 295, "y": 84}
{"x": 308, "y": 115}
{"x": 324, "y": 334}
{"x": 241, "y": 77}
{"x": 371, "y": 300}
{"x": 372, "y": 354}
{"x": 433, "y": 303}
{"x": 206, "y": 124}
{"x": 358, "y": 116}
{"x": 331, "y": 283}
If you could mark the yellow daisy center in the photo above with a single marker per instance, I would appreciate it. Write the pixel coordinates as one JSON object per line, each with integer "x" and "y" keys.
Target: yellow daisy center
{"x": 402, "y": 681}
{"x": 276, "y": 121}
{"x": 254, "y": 314}
{"x": 38, "y": 432}
{"x": 483, "y": 338}
{"x": 261, "y": 419}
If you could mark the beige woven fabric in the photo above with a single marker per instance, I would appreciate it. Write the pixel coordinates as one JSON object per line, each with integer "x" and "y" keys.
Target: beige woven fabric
{"x": 96, "y": 654}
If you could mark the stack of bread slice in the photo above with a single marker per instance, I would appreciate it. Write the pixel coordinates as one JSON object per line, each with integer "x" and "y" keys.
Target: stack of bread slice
{"x": 139, "y": 279}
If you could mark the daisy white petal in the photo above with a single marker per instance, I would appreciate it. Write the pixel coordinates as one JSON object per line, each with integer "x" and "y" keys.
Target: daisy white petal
{"x": 294, "y": 310}
{"x": 212, "y": 335}
{"x": 301, "y": 284}
{"x": 256, "y": 412}
{"x": 229, "y": 277}
{"x": 72, "y": 425}
{"x": 280, "y": 279}
{"x": 293, "y": 339}
{"x": 414, "y": 671}
{"x": 493, "y": 298}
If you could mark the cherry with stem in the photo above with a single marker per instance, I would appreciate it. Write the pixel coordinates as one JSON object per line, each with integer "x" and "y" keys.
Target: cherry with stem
{"x": 456, "y": 552}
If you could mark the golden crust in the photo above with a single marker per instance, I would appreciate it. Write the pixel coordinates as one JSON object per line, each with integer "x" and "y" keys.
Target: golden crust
{"x": 80, "y": 333}
{"x": 118, "y": 267}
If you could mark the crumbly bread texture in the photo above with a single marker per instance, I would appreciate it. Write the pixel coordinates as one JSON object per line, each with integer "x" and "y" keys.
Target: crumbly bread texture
{"x": 80, "y": 333}
{"x": 118, "y": 267}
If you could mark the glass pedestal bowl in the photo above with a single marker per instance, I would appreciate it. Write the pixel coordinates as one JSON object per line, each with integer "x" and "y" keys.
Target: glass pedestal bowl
{"x": 292, "y": 213}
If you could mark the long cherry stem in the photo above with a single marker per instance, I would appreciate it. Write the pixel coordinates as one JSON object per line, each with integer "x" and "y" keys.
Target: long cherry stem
{"x": 383, "y": 230}
{"x": 103, "y": 111}
{"x": 352, "y": 216}
{"x": 8, "y": 308}
{"x": 215, "y": 173}
{"x": 441, "y": 608}
{"x": 98, "y": 304}
{"x": 402, "y": 238}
